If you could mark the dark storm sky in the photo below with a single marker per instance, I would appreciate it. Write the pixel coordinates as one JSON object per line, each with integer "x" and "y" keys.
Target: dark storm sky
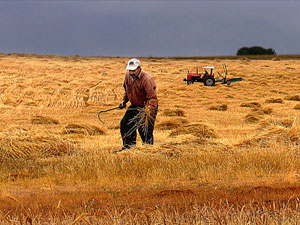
{"x": 148, "y": 27}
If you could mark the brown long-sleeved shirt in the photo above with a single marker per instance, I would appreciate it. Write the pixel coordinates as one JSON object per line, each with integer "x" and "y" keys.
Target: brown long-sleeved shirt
{"x": 141, "y": 91}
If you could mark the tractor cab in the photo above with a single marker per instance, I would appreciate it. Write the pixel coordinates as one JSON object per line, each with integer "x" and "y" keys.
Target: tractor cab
{"x": 208, "y": 70}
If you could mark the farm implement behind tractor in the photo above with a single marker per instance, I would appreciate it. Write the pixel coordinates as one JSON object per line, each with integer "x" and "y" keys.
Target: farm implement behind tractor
{"x": 208, "y": 77}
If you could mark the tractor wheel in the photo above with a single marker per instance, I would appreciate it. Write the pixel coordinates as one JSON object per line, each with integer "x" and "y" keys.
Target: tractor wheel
{"x": 189, "y": 82}
{"x": 209, "y": 81}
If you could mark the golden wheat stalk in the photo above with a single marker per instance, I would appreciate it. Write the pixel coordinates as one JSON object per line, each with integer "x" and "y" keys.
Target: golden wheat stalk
{"x": 28, "y": 217}
{"x": 80, "y": 217}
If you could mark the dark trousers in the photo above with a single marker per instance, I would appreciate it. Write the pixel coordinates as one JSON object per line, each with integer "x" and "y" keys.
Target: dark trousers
{"x": 128, "y": 127}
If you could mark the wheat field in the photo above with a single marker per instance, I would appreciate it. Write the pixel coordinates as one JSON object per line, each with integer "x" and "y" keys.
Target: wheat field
{"x": 222, "y": 154}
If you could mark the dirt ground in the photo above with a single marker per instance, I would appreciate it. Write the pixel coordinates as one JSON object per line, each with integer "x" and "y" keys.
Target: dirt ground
{"x": 183, "y": 198}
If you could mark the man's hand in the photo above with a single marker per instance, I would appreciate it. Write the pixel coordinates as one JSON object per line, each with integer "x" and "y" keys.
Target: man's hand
{"x": 154, "y": 112}
{"x": 151, "y": 111}
{"x": 122, "y": 105}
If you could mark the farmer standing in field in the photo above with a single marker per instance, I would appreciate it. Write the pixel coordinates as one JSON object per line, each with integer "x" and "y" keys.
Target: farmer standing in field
{"x": 140, "y": 90}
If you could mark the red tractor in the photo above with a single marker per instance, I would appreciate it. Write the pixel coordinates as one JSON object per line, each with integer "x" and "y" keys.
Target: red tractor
{"x": 208, "y": 77}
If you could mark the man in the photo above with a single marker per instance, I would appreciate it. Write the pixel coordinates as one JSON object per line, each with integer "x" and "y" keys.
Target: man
{"x": 140, "y": 90}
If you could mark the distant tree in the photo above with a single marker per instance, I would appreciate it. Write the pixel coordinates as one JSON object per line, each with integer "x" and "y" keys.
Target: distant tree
{"x": 255, "y": 50}
{"x": 243, "y": 51}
